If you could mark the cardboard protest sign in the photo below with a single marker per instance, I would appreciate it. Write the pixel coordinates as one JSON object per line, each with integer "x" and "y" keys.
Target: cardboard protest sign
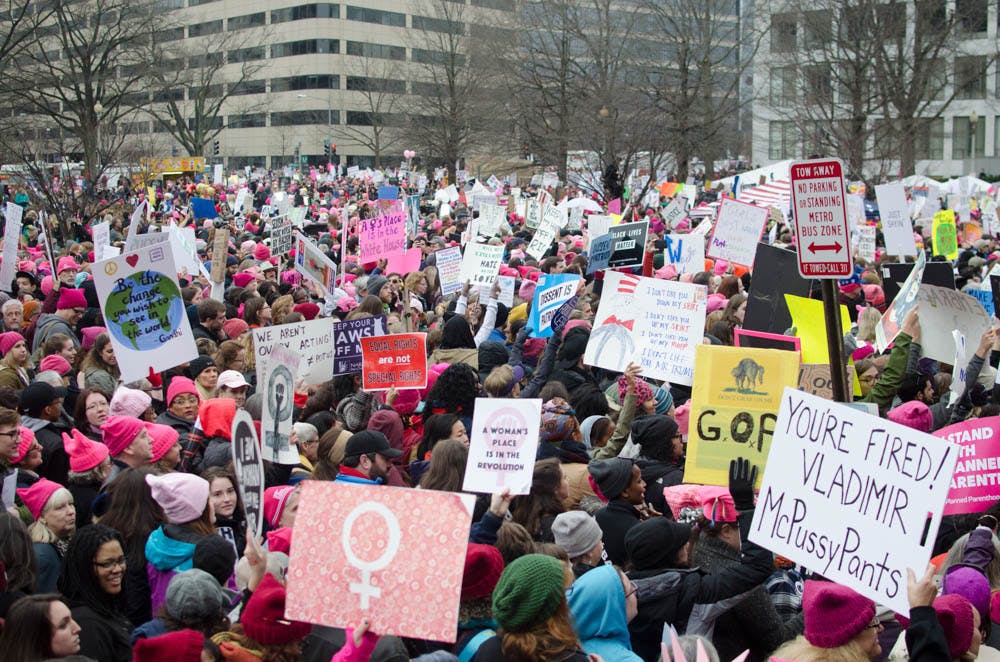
{"x": 313, "y": 341}
{"x": 736, "y": 392}
{"x": 553, "y": 291}
{"x": 480, "y": 266}
{"x": 281, "y": 235}
{"x": 144, "y": 311}
{"x": 220, "y": 246}
{"x": 491, "y": 217}
{"x": 848, "y": 495}
{"x": 985, "y": 298}
{"x": 943, "y": 311}
{"x": 11, "y": 237}
{"x": 347, "y": 340}
{"x": 502, "y": 445}
{"x": 360, "y": 552}
{"x": 654, "y": 323}
{"x": 101, "y": 233}
{"x": 892, "y": 320}
{"x": 297, "y": 215}
{"x": 249, "y": 468}
{"x": 398, "y": 360}
{"x": 403, "y": 262}
{"x": 737, "y": 231}
{"x": 380, "y": 237}
{"x": 242, "y": 196}
{"x": 895, "y": 214}
{"x": 685, "y": 252}
{"x": 600, "y": 253}
{"x": 313, "y": 263}
{"x": 761, "y": 340}
{"x": 815, "y": 379}
{"x": 776, "y": 274}
{"x": 944, "y": 235}
{"x": 628, "y": 244}
{"x": 810, "y": 327}
{"x": 975, "y": 484}
{"x": 449, "y": 265}
{"x": 277, "y": 373}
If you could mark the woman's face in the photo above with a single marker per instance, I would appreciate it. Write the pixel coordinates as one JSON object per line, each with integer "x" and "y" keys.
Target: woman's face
{"x": 33, "y": 458}
{"x": 68, "y": 351}
{"x": 108, "y": 355}
{"x": 868, "y": 379}
{"x": 172, "y": 456}
{"x": 209, "y": 377}
{"x": 65, "y": 631}
{"x": 97, "y": 409}
{"x": 458, "y": 433}
{"x": 649, "y": 407}
{"x": 109, "y": 566}
{"x": 291, "y": 508}
{"x": 185, "y": 406}
{"x": 61, "y": 520}
{"x": 422, "y": 286}
{"x": 265, "y": 315}
{"x": 239, "y": 361}
{"x": 222, "y": 495}
{"x": 19, "y": 353}
{"x": 868, "y": 638}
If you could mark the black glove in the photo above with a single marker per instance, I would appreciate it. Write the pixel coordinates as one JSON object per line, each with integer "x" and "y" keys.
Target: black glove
{"x": 742, "y": 477}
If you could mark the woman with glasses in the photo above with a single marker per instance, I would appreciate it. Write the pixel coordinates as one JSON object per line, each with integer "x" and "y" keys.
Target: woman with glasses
{"x": 51, "y": 505}
{"x": 91, "y": 582}
{"x": 840, "y": 624}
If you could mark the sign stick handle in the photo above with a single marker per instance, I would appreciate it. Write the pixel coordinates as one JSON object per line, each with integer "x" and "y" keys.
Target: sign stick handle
{"x": 834, "y": 339}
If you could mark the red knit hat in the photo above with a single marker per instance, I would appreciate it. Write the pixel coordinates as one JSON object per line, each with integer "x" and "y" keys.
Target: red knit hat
{"x": 234, "y": 328}
{"x": 120, "y": 432}
{"x": 242, "y": 279}
{"x": 834, "y": 614}
{"x": 483, "y": 567}
{"x": 70, "y": 298}
{"x": 180, "y": 646}
{"x": 280, "y": 540}
{"x": 84, "y": 453}
{"x": 36, "y": 496}
{"x": 264, "y": 620}
{"x": 308, "y": 309}
{"x": 954, "y": 614}
{"x": 24, "y": 444}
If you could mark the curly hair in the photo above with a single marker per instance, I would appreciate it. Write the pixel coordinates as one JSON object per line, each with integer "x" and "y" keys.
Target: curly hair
{"x": 455, "y": 390}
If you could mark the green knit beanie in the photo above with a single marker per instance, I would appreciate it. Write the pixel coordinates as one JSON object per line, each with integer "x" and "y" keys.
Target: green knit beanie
{"x": 529, "y": 591}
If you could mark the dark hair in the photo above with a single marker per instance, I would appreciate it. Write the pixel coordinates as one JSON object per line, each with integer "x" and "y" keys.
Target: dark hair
{"x": 326, "y": 466}
{"x": 543, "y": 500}
{"x": 513, "y": 542}
{"x": 588, "y": 400}
{"x": 209, "y": 308}
{"x": 17, "y": 554}
{"x": 54, "y": 344}
{"x": 599, "y": 428}
{"x": 212, "y": 473}
{"x": 911, "y": 385}
{"x": 93, "y": 359}
{"x": 447, "y": 467}
{"x": 455, "y": 390}
{"x": 370, "y": 304}
{"x": 252, "y": 308}
{"x": 321, "y": 401}
{"x": 436, "y": 428}
{"x": 80, "y": 410}
{"x": 78, "y": 579}
{"x": 27, "y": 631}
{"x": 132, "y": 512}
{"x": 729, "y": 286}
{"x": 553, "y": 389}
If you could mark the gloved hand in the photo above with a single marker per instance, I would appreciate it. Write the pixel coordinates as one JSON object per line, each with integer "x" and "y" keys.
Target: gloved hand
{"x": 742, "y": 477}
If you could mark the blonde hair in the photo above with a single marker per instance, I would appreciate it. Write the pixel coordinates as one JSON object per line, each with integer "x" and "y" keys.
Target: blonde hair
{"x": 39, "y": 530}
{"x": 868, "y": 319}
{"x": 497, "y": 381}
{"x": 800, "y": 650}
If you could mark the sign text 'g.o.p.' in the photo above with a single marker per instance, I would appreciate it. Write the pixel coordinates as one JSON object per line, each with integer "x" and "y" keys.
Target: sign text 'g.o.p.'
{"x": 821, "y": 233}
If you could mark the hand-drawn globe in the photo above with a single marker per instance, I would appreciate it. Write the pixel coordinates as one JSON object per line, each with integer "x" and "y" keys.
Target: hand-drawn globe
{"x": 144, "y": 310}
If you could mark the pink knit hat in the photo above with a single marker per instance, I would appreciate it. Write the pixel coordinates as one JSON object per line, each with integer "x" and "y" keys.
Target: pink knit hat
{"x": 8, "y": 340}
{"x": 715, "y": 302}
{"x": 66, "y": 264}
{"x": 261, "y": 252}
{"x": 164, "y": 438}
{"x": 275, "y": 499}
{"x": 954, "y": 613}
{"x": 84, "y": 453}
{"x": 46, "y": 285}
{"x": 25, "y": 443}
{"x": 234, "y": 328}
{"x": 180, "y": 385}
{"x": 242, "y": 279}
{"x": 89, "y": 335}
{"x": 717, "y": 504}
{"x": 643, "y": 391}
{"x": 36, "y": 496}
{"x": 56, "y": 363}
{"x": 682, "y": 415}
{"x": 129, "y": 402}
{"x": 120, "y": 432}
{"x": 183, "y": 497}
{"x": 70, "y": 298}
{"x": 913, "y": 414}
{"x": 834, "y": 614}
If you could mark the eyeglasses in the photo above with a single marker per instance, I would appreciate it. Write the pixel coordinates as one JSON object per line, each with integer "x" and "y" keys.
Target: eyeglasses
{"x": 120, "y": 562}
{"x": 11, "y": 434}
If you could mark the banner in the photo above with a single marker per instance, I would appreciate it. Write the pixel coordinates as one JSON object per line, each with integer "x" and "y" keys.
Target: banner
{"x": 736, "y": 392}
{"x": 360, "y": 552}
{"x": 654, "y": 323}
{"x": 380, "y": 237}
{"x": 347, "y": 341}
{"x": 975, "y": 485}
{"x": 480, "y": 266}
{"x": 944, "y": 236}
{"x": 553, "y": 291}
{"x": 848, "y": 496}
{"x": 502, "y": 445}
{"x": 398, "y": 360}
{"x": 685, "y": 252}
{"x": 312, "y": 341}
{"x": 628, "y": 244}
{"x": 737, "y": 231}
{"x": 248, "y": 466}
{"x": 277, "y": 373}
{"x": 313, "y": 263}
{"x": 895, "y": 214}
{"x": 449, "y": 266}
{"x": 144, "y": 311}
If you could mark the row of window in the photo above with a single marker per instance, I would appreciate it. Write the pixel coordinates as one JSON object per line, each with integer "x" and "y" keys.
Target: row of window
{"x": 324, "y": 10}
{"x": 281, "y": 118}
{"x": 321, "y": 46}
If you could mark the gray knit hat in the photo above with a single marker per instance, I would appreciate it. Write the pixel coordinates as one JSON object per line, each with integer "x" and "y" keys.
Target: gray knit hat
{"x": 576, "y": 532}
{"x": 194, "y": 596}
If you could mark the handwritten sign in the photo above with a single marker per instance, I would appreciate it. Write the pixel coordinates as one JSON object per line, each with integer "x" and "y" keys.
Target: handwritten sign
{"x": 347, "y": 340}
{"x": 685, "y": 252}
{"x": 480, "y": 265}
{"x": 281, "y": 235}
{"x": 249, "y": 468}
{"x": 449, "y": 265}
{"x": 737, "y": 231}
{"x": 102, "y": 239}
{"x": 895, "y": 214}
{"x": 814, "y": 379}
{"x": 848, "y": 495}
{"x": 502, "y": 445}
{"x": 542, "y": 240}
{"x": 628, "y": 244}
{"x": 553, "y": 291}
{"x": 220, "y": 245}
{"x": 944, "y": 235}
{"x": 974, "y": 484}
{"x": 398, "y": 360}
{"x": 532, "y": 213}
{"x": 312, "y": 340}
{"x": 943, "y": 311}
{"x": 491, "y": 217}
{"x": 11, "y": 236}
{"x": 382, "y": 236}
{"x": 674, "y": 212}
{"x": 313, "y": 263}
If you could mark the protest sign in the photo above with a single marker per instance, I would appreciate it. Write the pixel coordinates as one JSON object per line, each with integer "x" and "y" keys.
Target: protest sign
{"x": 943, "y": 311}
{"x": 866, "y": 243}
{"x": 241, "y": 198}
{"x": 598, "y": 225}
{"x": 894, "y": 212}
{"x": 203, "y": 208}
{"x": 313, "y": 263}
{"x": 685, "y": 252}
{"x": 600, "y": 253}
{"x": 449, "y": 265}
{"x": 552, "y": 291}
{"x": 735, "y": 394}
{"x": 248, "y": 466}
{"x": 935, "y": 273}
{"x": 575, "y": 219}
{"x": 814, "y": 378}
{"x": 360, "y": 552}
{"x": 313, "y": 341}
{"x": 144, "y": 311}
{"x": 892, "y": 319}
{"x": 380, "y": 237}
{"x": 102, "y": 239}
{"x": 737, "y": 231}
{"x": 975, "y": 484}
{"x": 502, "y": 445}
{"x": 347, "y": 341}
{"x": 995, "y": 290}
{"x": 491, "y": 217}
{"x": 810, "y": 327}
{"x": 651, "y": 322}
{"x": 776, "y": 274}
{"x": 297, "y": 215}
{"x": 277, "y": 373}
{"x": 674, "y": 212}
{"x": 403, "y": 262}
{"x": 985, "y": 298}
{"x": 532, "y": 213}
{"x": 398, "y": 360}
{"x": 628, "y": 244}
{"x": 220, "y": 246}
{"x": 133, "y": 224}
{"x": 762, "y": 340}
{"x": 506, "y": 284}
{"x": 848, "y": 496}
{"x": 944, "y": 235}
{"x": 542, "y": 240}
{"x": 480, "y": 266}
{"x": 11, "y": 237}
{"x": 281, "y": 236}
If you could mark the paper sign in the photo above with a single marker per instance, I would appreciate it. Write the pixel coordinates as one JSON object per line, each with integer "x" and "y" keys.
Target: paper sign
{"x": 11, "y": 236}
{"x": 598, "y": 226}
{"x": 532, "y": 213}
{"x": 675, "y": 212}
{"x": 312, "y": 341}
{"x": 347, "y": 338}
{"x": 553, "y": 291}
{"x": 736, "y": 392}
{"x": 281, "y": 236}
{"x": 895, "y": 214}
{"x": 685, "y": 252}
{"x": 220, "y": 245}
{"x": 506, "y": 284}
{"x": 848, "y": 495}
{"x": 359, "y": 552}
{"x": 203, "y": 208}
{"x": 984, "y": 297}
{"x": 403, "y": 262}
{"x": 973, "y": 485}
{"x": 810, "y": 327}
{"x": 313, "y": 263}
{"x": 866, "y": 243}
{"x": 491, "y": 217}
{"x": 892, "y": 319}
{"x": 144, "y": 311}
{"x": 943, "y": 311}
{"x": 398, "y": 360}
{"x": 737, "y": 231}
{"x": 628, "y": 244}
{"x": 480, "y": 266}
{"x": 277, "y": 373}
{"x": 449, "y": 266}
{"x": 241, "y": 199}
{"x": 249, "y": 468}
{"x": 412, "y": 215}
{"x": 382, "y": 236}
{"x": 944, "y": 234}
{"x": 654, "y": 323}
{"x": 600, "y": 253}
{"x": 502, "y": 445}
{"x": 133, "y": 224}
{"x": 542, "y": 240}
{"x": 102, "y": 239}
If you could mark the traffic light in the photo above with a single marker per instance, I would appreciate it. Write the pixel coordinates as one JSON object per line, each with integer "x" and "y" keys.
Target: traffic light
{"x": 215, "y": 148}
{"x": 334, "y": 159}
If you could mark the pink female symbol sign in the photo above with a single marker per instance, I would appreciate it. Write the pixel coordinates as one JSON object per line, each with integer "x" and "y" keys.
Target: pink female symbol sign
{"x": 365, "y": 588}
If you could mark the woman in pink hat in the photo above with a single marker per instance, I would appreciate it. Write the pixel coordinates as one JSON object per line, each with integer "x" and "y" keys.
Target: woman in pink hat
{"x": 51, "y": 505}
{"x": 100, "y": 366}
{"x": 14, "y": 364}
{"x": 89, "y": 467}
{"x": 28, "y": 458}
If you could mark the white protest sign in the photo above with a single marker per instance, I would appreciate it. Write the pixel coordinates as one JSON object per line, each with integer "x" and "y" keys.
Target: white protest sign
{"x": 281, "y": 235}
{"x": 598, "y": 225}
{"x": 532, "y": 213}
{"x": 674, "y": 212}
{"x": 313, "y": 341}
{"x": 991, "y": 224}
{"x": 703, "y": 228}
{"x": 943, "y": 310}
{"x": 866, "y": 243}
{"x": 685, "y": 252}
{"x": 737, "y": 230}
{"x": 11, "y": 237}
{"x": 449, "y": 266}
{"x": 506, "y": 284}
{"x": 491, "y": 218}
{"x": 575, "y": 219}
{"x": 480, "y": 265}
{"x": 847, "y": 495}
{"x": 654, "y": 323}
{"x": 186, "y": 255}
{"x": 276, "y": 375}
{"x": 249, "y": 468}
{"x": 133, "y": 226}
{"x": 502, "y": 445}
{"x": 895, "y": 214}
{"x": 958, "y": 371}
{"x": 144, "y": 311}
{"x": 542, "y": 239}
{"x": 556, "y": 216}
{"x": 101, "y": 233}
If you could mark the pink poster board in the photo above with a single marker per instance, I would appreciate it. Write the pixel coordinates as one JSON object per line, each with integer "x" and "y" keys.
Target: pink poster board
{"x": 764, "y": 340}
{"x": 973, "y": 487}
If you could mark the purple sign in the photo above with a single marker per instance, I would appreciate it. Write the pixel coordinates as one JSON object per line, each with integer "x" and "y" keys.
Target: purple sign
{"x": 347, "y": 342}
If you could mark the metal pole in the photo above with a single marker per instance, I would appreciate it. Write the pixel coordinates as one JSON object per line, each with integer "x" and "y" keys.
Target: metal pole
{"x": 834, "y": 340}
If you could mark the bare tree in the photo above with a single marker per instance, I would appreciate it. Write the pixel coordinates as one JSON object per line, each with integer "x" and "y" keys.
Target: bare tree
{"x": 381, "y": 86}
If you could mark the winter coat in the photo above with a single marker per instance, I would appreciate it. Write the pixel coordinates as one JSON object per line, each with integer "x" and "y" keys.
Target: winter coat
{"x": 209, "y": 446}
{"x": 84, "y": 495}
{"x": 55, "y": 460}
{"x": 658, "y": 475}
{"x": 49, "y": 324}
{"x": 597, "y": 604}
{"x": 12, "y": 378}
{"x": 102, "y": 638}
{"x": 615, "y": 520}
{"x": 467, "y": 356}
{"x": 49, "y": 564}
{"x": 169, "y": 550}
{"x": 492, "y": 651}
{"x": 100, "y": 378}
{"x": 182, "y": 425}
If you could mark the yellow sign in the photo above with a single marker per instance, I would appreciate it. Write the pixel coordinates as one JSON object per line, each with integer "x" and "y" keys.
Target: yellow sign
{"x": 174, "y": 164}
{"x": 734, "y": 405}
{"x": 810, "y": 325}
{"x": 943, "y": 234}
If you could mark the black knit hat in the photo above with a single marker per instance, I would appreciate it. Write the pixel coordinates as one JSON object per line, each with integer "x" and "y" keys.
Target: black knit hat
{"x": 654, "y": 544}
{"x": 653, "y": 431}
{"x": 573, "y": 346}
{"x": 612, "y": 476}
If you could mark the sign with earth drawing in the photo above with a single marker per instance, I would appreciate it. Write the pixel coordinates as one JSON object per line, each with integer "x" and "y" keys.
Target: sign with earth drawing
{"x": 144, "y": 311}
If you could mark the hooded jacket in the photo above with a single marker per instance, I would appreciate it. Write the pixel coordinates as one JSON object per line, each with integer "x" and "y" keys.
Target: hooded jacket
{"x": 597, "y": 603}
{"x": 210, "y": 446}
{"x": 169, "y": 550}
{"x": 654, "y": 435}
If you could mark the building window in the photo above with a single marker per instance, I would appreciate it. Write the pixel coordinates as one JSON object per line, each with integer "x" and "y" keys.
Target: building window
{"x": 783, "y": 84}
{"x": 970, "y": 77}
{"x": 173, "y": 94}
{"x": 971, "y": 15}
{"x": 206, "y": 60}
{"x": 210, "y": 123}
{"x": 381, "y": 51}
{"x": 195, "y": 3}
{"x": 377, "y": 16}
{"x": 134, "y": 127}
{"x": 783, "y": 33}
{"x": 438, "y": 25}
{"x": 202, "y": 29}
{"x": 305, "y": 47}
{"x": 362, "y": 84}
{"x": 961, "y": 138}
{"x": 932, "y": 17}
{"x": 248, "y": 87}
{"x": 246, "y": 21}
{"x": 170, "y": 34}
{"x": 206, "y": 91}
{"x": 302, "y": 12}
{"x": 436, "y": 57}
{"x": 782, "y": 140}
{"x": 247, "y": 121}
{"x": 432, "y": 90}
{"x": 307, "y": 82}
{"x": 247, "y": 54}
{"x": 304, "y": 117}
{"x": 502, "y": 5}
{"x": 817, "y": 88}
{"x": 891, "y": 17}
{"x": 817, "y": 29}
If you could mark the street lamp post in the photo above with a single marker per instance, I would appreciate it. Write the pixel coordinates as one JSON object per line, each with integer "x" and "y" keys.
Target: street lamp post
{"x": 98, "y": 111}
{"x": 329, "y": 114}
